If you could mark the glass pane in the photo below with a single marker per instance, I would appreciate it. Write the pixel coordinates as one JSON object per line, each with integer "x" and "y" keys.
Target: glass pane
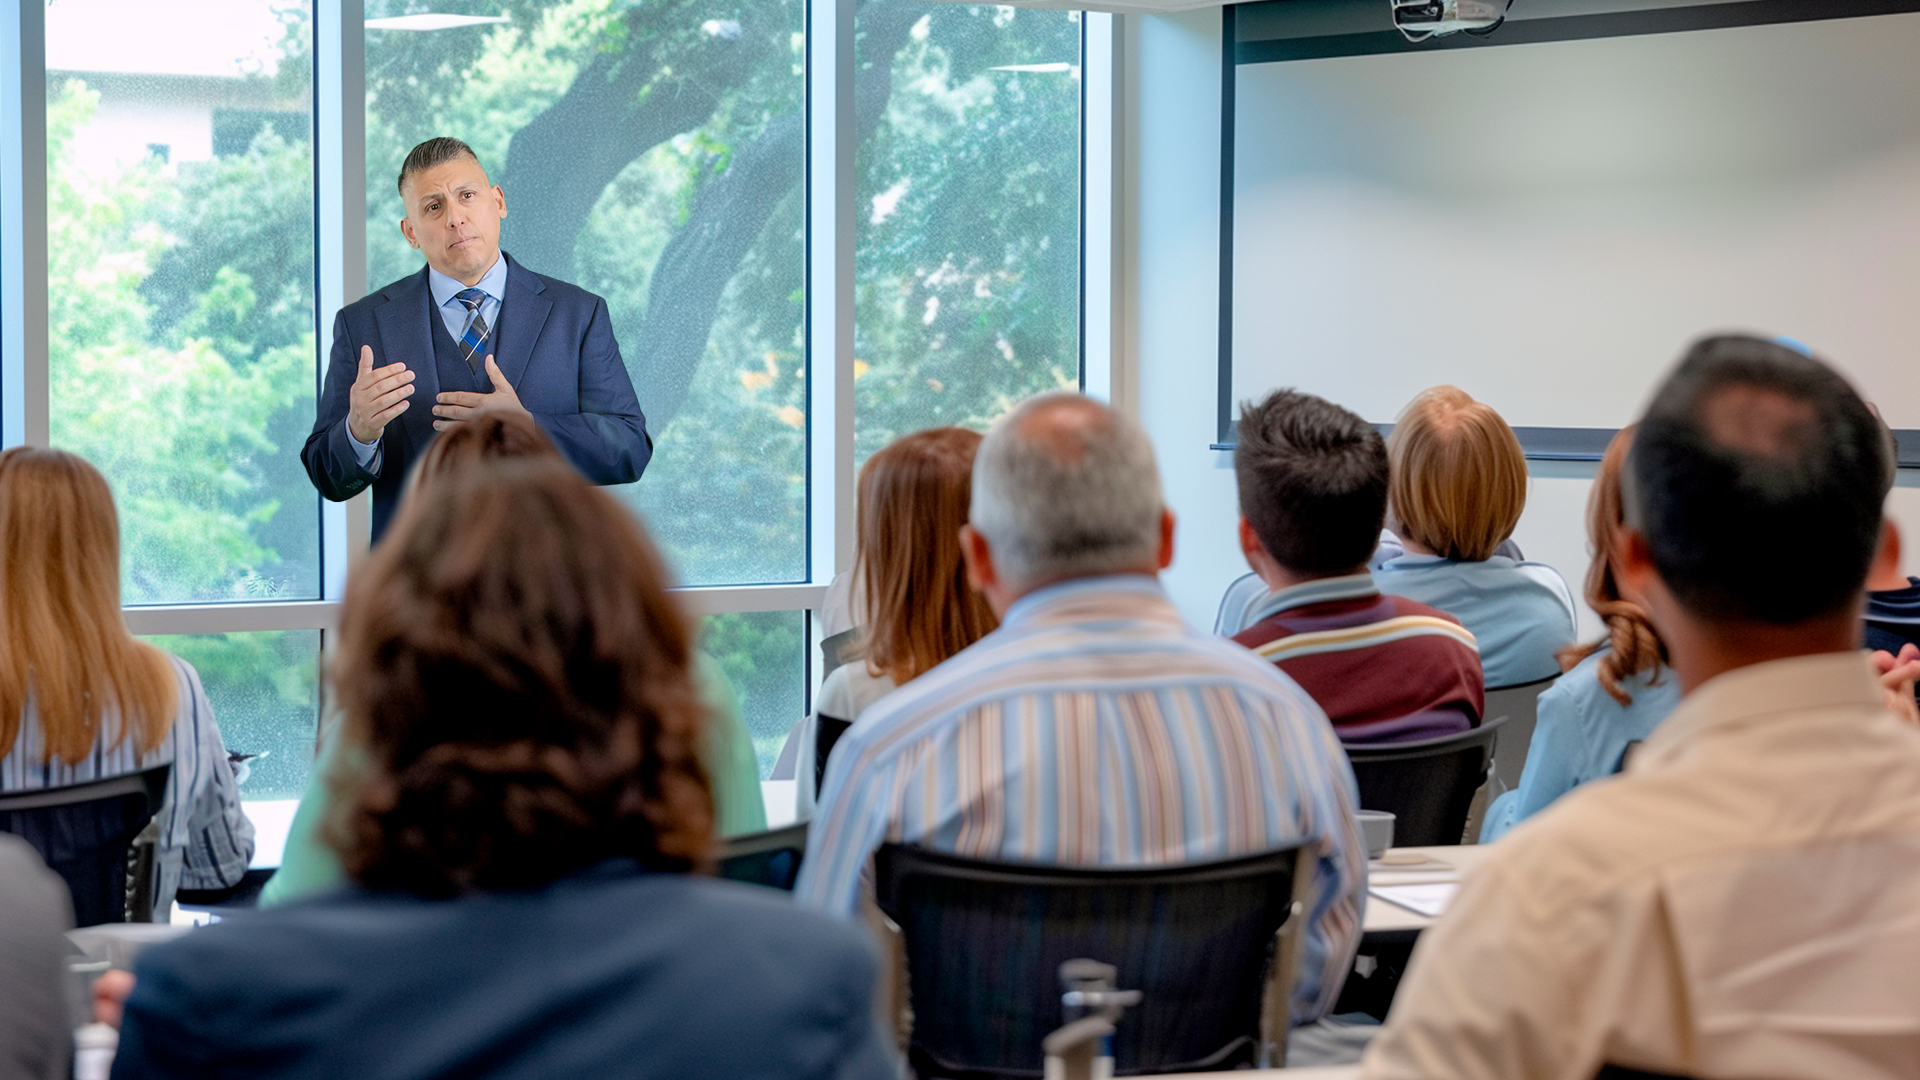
{"x": 764, "y": 656}
{"x": 265, "y": 692}
{"x": 653, "y": 154}
{"x": 968, "y": 260}
{"x": 181, "y": 281}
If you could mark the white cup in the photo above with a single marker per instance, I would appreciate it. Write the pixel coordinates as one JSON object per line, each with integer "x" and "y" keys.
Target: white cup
{"x": 1376, "y": 828}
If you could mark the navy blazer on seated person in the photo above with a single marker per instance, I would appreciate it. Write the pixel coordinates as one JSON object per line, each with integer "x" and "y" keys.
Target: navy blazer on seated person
{"x": 555, "y": 347}
{"x": 612, "y": 972}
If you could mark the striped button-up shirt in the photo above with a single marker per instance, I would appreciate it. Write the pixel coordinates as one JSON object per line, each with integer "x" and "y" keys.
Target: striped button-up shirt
{"x": 205, "y": 839}
{"x": 1095, "y": 728}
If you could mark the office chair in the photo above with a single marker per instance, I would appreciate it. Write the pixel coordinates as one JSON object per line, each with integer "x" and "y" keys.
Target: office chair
{"x": 1426, "y": 784}
{"x": 87, "y": 834}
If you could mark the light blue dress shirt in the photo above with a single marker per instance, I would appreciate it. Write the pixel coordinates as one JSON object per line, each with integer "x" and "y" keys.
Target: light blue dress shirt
{"x": 454, "y": 314}
{"x": 1520, "y": 612}
{"x": 1581, "y": 735}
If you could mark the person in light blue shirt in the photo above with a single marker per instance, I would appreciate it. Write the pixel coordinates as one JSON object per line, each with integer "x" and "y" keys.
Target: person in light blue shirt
{"x": 1458, "y": 486}
{"x": 1617, "y": 690}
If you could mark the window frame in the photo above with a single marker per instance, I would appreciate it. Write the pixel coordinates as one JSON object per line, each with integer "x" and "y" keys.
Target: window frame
{"x": 339, "y": 146}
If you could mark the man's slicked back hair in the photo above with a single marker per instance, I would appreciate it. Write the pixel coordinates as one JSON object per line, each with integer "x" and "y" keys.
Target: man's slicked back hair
{"x": 433, "y": 153}
{"x": 1313, "y": 482}
{"x": 1758, "y": 479}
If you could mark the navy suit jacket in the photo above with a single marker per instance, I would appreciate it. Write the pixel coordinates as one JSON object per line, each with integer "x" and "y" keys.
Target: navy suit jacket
{"x": 555, "y": 348}
{"x": 613, "y": 972}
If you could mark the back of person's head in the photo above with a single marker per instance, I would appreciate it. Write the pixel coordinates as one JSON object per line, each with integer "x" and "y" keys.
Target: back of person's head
{"x": 489, "y": 435}
{"x": 1757, "y": 478}
{"x": 1065, "y": 487}
{"x": 1313, "y": 482}
{"x": 1632, "y": 644}
{"x": 1459, "y": 477}
{"x": 65, "y": 640}
{"x": 919, "y": 609}
{"x": 517, "y": 677}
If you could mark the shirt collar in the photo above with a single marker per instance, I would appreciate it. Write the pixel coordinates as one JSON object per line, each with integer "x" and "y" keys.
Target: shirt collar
{"x": 1049, "y": 598}
{"x": 1775, "y": 690}
{"x": 1317, "y": 591}
{"x": 493, "y": 283}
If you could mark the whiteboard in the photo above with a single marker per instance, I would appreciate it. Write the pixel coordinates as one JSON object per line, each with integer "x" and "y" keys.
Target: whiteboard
{"x": 1547, "y": 225}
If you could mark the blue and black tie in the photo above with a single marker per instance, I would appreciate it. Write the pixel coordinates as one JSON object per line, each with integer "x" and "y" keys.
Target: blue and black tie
{"x": 473, "y": 341}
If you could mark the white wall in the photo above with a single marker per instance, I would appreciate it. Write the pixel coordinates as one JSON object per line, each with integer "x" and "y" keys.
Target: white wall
{"x": 1170, "y": 154}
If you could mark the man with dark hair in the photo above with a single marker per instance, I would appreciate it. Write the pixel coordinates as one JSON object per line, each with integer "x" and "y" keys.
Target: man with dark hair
{"x": 1740, "y": 902}
{"x": 472, "y": 327}
{"x": 1313, "y": 494}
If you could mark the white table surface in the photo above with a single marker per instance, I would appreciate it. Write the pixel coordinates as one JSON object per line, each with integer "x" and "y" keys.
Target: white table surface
{"x": 1443, "y": 864}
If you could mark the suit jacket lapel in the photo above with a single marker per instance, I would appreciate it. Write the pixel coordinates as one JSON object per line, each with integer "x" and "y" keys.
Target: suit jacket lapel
{"x": 523, "y": 312}
{"x": 408, "y": 337}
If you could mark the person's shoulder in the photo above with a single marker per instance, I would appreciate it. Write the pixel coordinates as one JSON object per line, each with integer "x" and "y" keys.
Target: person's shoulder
{"x": 386, "y": 294}
{"x": 851, "y": 688}
{"x": 1406, "y": 607}
{"x": 552, "y": 288}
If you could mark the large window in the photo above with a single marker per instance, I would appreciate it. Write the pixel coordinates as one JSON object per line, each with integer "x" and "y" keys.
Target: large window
{"x": 654, "y": 154}
{"x": 203, "y": 164}
{"x": 968, "y": 265}
{"x": 180, "y": 336}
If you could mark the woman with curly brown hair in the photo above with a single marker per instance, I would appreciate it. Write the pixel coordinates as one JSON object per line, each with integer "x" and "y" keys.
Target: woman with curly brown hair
{"x": 308, "y": 865}
{"x": 523, "y": 837}
{"x": 1614, "y": 692}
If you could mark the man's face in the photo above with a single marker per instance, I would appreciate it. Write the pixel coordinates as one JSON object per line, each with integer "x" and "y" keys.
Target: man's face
{"x": 453, "y": 217}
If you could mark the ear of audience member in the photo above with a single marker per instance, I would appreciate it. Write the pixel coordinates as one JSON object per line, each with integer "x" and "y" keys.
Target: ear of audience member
{"x": 1739, "y": 901}
{"x": 531, "y": 804}
{"x": 308, "y": 865}
{"x": 1458, "y": 486}
{"x": 916, "y": 607}
{"x": 1614, "y": 693}
{"x": 1000, "y": 752}
{"x": 1313, "y": 492}
{"x": 82, "y": 700}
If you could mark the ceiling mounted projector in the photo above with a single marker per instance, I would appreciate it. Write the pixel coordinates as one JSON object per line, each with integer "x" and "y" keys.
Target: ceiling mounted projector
{"x": 1423, "y": 19}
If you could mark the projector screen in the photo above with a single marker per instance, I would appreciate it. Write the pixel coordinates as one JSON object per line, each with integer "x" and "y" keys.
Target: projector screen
{"x": 1547, "y": 225}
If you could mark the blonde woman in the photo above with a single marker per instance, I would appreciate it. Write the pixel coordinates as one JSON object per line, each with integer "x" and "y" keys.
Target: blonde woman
{"x": 1615, "y": 691}
{"x": 81, "y": 700}
{"x": 914, "y": 605}
{"x": 1458, "y": 484}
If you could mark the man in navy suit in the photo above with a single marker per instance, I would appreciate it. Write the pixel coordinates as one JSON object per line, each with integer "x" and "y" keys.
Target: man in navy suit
{"x": 474, "y": 328}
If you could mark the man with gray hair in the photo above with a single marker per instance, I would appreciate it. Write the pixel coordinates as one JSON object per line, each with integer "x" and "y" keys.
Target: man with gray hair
{"x": 1093, "y": 727}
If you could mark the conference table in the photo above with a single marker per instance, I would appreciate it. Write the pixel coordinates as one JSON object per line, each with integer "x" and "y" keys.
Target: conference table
{"x": 1434, "y": 868}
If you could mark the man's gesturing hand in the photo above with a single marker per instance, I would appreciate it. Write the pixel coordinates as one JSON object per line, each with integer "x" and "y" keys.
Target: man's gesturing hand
{"x": 456, "y": 406}
{"x": 378, "y": 395}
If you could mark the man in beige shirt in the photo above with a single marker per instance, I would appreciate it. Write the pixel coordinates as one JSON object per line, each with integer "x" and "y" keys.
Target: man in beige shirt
{"x": 1743, "y": 903}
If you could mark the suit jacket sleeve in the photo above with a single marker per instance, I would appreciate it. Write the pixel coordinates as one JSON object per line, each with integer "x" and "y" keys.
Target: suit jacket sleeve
{"x": 328, "y": 455}
{"x": 607, "y": 439}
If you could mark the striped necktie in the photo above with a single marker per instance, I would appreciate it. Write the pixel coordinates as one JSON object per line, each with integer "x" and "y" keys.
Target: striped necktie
{"x": 474, "y": 339}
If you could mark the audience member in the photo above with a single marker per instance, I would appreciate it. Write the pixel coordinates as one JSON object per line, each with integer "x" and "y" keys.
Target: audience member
{"x": 917, "y": 608}
{"x": 516, "y": 680}
{"x": 82, "y": 700}
{"x": 1615, "y": 690}
{"x": 1093, "y": 727}
{"x": 1313, "y": 492}
{"x": 1893, "y": 598}
{"x": 307, "y": 865}
{"x": 1458, "y": 485}
{"x": 1740, "y": 902}
{"x": 36, "y": 1034}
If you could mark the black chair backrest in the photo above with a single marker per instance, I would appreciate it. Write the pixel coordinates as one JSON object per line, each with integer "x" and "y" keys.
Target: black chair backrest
{"x": 770, "y": 858}
{"x": 826, "y": 732}
{"x": 985, "y": 940}
{"x": 1426, "y": 784}
{"x": 85, "y": 832}
{"x": 1521, "y": 706}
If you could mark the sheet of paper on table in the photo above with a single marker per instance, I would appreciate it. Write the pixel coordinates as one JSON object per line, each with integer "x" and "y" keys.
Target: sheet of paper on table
{"x": 1425, "y": 899}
